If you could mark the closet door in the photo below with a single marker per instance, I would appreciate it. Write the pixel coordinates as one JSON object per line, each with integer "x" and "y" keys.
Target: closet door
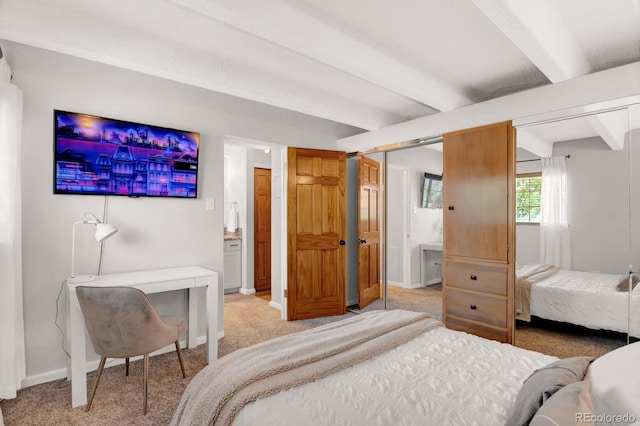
{"x": 633, "y": 139}
{"x": 478, "y": 190}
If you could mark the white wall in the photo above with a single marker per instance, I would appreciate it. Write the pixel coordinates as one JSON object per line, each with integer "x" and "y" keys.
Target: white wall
{"x": 235, "y": 181}
{"x": 598, "y": 208}
{"x": 397, "y": 224}
{"x": 261, "y": 159}
{"x": 527, "y": 244}
{"x": 154, "y": 233}
{"x": 635, "y": 191}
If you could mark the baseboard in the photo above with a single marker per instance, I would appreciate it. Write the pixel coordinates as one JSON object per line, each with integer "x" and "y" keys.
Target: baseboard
{"x": 403, "y": 285}
{"x": 61, "y": 373}
{"x": 247, "y": 291}
{"x": 434, "y": 281}
{"x": 273, "y": 304}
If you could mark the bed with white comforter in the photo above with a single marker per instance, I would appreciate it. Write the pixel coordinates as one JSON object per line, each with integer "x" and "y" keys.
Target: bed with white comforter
{"x": 442, "y": 377}
{"x": 424, "y": 374}
{"x": 404, "y": 368}
{"x": 587, "y": 299}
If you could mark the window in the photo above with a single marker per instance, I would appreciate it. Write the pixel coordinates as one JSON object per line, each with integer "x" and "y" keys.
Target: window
{"x": 528, "y": 188}
{"x": 432, "y": 191}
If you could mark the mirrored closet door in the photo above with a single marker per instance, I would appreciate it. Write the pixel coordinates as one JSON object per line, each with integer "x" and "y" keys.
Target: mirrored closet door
{"x": 414, "y": 228}
{"x": 634, "y": 230}
{"x": 572, "y": 233}
{"x": 410, "y": 229}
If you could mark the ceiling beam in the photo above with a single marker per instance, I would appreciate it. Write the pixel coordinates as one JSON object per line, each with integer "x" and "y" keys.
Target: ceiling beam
{"x": 538, "y": 31}
{"x": 612, "y": 127}
{"x": 288, "y": 27}
{"x": 532, "y": 143}
{"x": 619, "y": 86}
{"x": 208, "y": 62}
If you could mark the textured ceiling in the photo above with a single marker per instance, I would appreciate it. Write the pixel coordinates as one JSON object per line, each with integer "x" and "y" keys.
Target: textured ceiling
{"x": 365, "y": 63}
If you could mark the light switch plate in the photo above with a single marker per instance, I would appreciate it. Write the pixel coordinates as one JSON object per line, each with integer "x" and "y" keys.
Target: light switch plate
{"x": 210, "y": 203}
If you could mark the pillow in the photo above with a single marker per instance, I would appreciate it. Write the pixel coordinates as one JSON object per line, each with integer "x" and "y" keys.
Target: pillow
{"x": 543, "y": 383}
{"x": 623, "y": 284}
{"x": 570, "y": 405}
{"x": 614, "y": 382}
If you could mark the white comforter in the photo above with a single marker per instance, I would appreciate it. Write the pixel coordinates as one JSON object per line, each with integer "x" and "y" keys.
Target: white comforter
{"x": 442, "y": 377}
{"x": 583, "y": 298}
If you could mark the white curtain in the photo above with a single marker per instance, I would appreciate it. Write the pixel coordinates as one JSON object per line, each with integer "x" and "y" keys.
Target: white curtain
{"x": 12, "y": 355}
{"x": 555, "y": 246}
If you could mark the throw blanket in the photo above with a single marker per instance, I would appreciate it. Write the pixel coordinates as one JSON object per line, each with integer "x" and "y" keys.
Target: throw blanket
{"x": 526, "y": 276}
{"x": 218, "y": 392}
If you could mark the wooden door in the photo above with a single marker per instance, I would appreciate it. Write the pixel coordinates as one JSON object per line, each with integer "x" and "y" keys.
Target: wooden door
{"x": 316, "y": 228}
{"x": 477, "y": 192}
{"x": 262, "y": 229}
{"x": 368, "y": 231}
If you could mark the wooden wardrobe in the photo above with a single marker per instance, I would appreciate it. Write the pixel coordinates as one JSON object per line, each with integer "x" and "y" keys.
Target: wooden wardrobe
{"x": 479, "y": 231}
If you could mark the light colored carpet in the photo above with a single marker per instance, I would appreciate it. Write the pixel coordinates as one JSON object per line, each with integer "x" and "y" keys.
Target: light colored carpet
{"x": 564, "y": 340}
{"x": 248, "y": 320}
{"x": 426, "y": 299}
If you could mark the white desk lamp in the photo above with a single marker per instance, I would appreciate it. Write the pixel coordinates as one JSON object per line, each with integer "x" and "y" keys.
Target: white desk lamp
{"x": 103, "y": 231}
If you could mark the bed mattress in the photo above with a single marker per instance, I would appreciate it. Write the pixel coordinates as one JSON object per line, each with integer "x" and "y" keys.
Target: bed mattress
{"x": 442, "y": 377}
{"x": 583, "y": 298}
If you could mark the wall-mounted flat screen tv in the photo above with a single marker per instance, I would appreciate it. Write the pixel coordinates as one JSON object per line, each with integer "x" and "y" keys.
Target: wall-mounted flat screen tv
{"x": 103, "y": 156}
{"x": 432, "y": 191}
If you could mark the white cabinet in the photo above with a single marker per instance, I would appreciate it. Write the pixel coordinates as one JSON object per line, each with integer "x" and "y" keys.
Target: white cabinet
{"x": 232, "y": 264}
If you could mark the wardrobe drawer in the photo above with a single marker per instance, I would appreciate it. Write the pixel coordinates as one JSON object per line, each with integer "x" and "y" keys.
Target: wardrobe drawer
{"x": 487, "y": 279}
{"x": 482, "y": 330}
{"x": 479, "y": 307}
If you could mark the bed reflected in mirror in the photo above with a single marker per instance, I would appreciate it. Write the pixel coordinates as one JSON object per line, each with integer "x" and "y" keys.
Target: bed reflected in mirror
{"x": 573, "y": 234}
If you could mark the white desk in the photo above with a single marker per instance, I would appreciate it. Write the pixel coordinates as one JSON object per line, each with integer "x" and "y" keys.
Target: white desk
{"x": 426, "y": 248}
{"x": 152, "y": 281}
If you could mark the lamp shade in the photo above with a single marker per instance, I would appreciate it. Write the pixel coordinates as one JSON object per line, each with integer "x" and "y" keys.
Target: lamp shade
{"x": 104, "y": 231}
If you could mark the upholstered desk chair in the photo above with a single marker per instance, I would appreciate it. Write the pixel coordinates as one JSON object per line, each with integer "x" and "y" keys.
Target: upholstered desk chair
{"x": 122, "y": 323}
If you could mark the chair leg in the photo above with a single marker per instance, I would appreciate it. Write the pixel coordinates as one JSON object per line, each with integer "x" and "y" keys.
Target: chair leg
{"x": 126, "y": 367}
{"x": 144, "y": 383}
{"x": 184, "y": 376}
{"x": 95, "y": 384}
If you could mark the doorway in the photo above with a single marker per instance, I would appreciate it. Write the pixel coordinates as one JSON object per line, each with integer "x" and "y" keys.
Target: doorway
{"x": 242, "y": 156}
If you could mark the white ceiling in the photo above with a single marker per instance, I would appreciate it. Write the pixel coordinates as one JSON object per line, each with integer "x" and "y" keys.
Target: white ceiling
{"x": 365, "y": 63}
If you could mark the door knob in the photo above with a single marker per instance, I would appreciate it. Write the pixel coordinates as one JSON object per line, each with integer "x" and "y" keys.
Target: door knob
{"x": 362, "y": 241}
{"x": 342, "y": 242}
